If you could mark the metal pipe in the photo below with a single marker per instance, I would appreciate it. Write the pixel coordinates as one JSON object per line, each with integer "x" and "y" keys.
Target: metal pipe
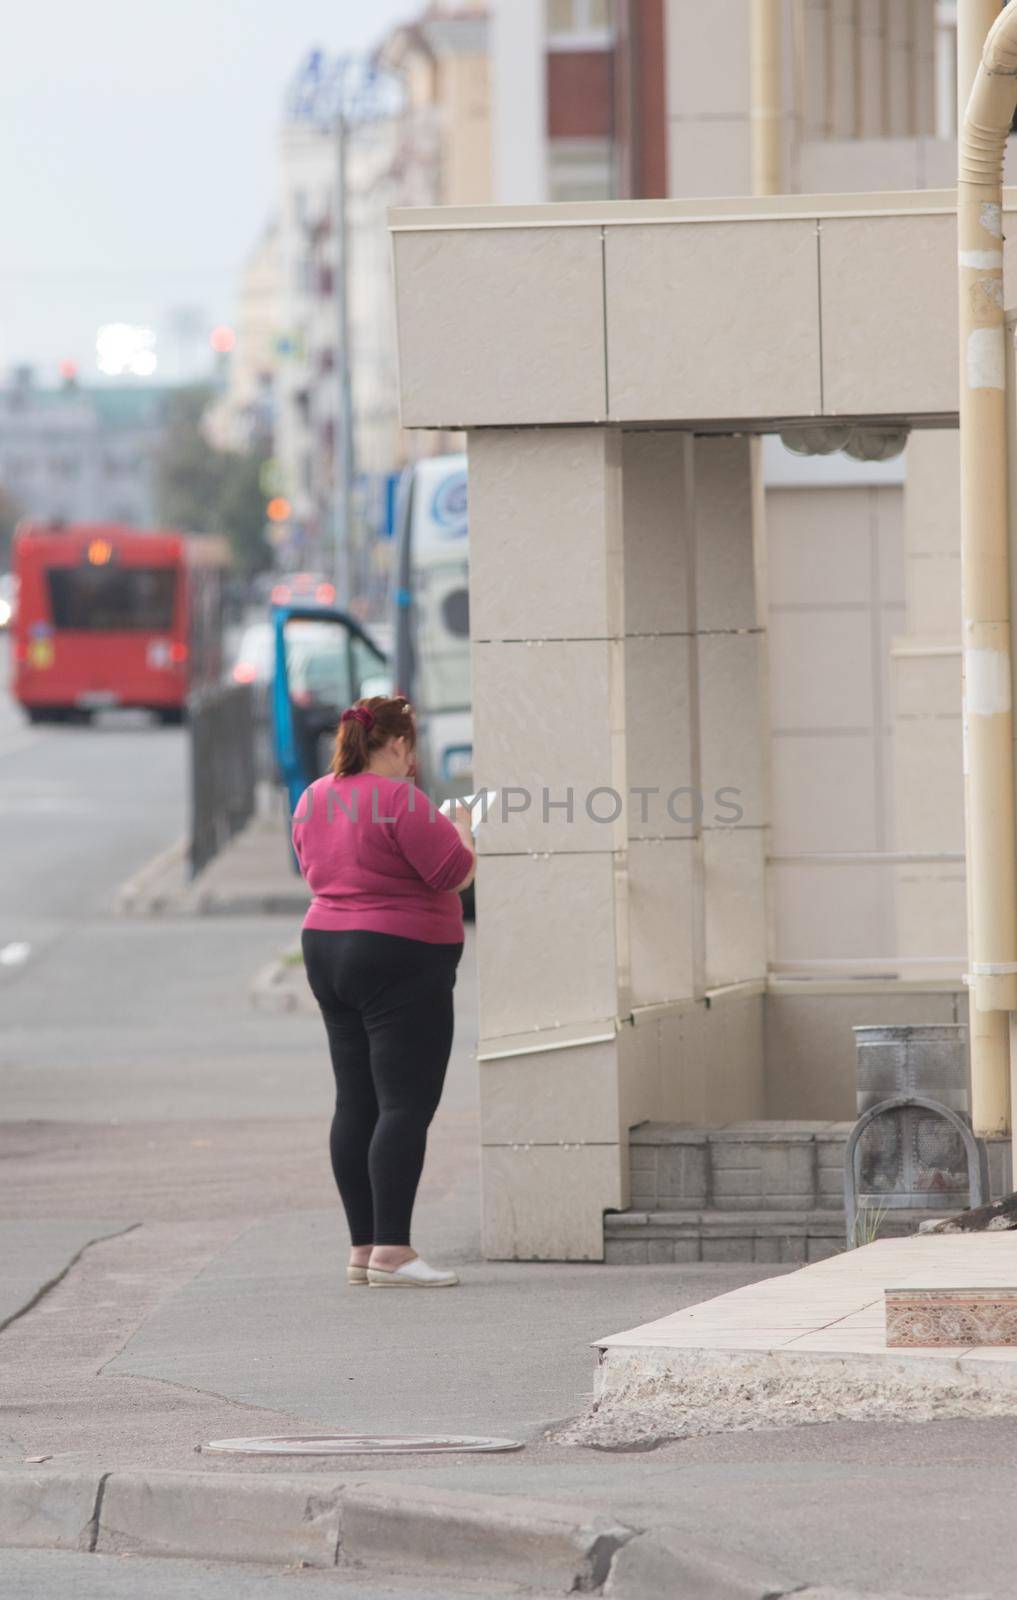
{"x": 974, "y": 19}
{"x": 767, "y": 109}
{"x": 985, "y": 575}
{"x": 988, "y": 1031}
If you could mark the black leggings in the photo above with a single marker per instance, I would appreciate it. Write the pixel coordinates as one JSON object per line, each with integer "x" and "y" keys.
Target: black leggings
{"x": 387, "y": 1005}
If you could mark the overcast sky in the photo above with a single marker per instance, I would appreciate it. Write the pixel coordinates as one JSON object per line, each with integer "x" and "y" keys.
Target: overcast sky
{"x": 137, "y": 156}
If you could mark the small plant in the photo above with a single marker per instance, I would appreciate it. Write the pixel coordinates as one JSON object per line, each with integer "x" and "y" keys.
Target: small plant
{"x": 868, "y": 1222}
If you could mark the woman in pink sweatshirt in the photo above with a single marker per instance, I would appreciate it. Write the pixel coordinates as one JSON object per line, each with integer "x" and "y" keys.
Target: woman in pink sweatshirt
{"x": 382, "y": 940}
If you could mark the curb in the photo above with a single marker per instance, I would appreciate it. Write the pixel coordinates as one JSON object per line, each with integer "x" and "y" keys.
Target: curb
{"x": 281, "y": 988}
{"x": 162, "y": 888}
{"x": 156, "y": 885}
{"x": 311, "y": 1521}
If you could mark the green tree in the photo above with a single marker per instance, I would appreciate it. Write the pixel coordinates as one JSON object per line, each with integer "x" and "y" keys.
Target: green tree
{"x": 205, "y": 490}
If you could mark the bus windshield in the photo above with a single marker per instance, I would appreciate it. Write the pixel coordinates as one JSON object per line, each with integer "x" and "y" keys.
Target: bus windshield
{"x": 111, "y": 599}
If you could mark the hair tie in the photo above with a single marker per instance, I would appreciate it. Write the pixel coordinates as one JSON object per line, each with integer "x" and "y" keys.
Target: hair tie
{"x": 359, "y": 714}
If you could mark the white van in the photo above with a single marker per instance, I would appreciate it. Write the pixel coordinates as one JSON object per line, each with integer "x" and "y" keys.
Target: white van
{"x": 432, "y": 620}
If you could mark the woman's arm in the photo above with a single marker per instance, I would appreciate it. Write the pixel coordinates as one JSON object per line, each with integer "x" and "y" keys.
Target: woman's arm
{"x": 462, "y": 825}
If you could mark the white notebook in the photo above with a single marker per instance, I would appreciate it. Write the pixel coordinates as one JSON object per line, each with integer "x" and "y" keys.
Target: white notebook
{"x": 482, "y": 805}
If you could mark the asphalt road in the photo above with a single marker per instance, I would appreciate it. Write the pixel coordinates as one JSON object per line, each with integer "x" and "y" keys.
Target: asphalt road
{"x": 172, "y": 1248}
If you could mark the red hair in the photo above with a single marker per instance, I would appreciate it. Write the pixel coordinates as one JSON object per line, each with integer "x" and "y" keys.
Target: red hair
{"x": 377, "y": 721}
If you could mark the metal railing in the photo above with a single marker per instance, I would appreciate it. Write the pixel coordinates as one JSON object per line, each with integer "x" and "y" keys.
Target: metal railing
{"x": 221, "y": 723}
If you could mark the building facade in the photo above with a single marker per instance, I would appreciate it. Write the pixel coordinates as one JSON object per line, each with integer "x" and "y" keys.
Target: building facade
{"x": 76, "y": 454}
{"x": 792, "y": 621}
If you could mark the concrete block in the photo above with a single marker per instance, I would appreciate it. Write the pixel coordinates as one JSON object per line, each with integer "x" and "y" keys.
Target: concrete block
{"x": 660, "y": 1252}
{"x": 682, "y": 1176}
{"x": 794, "y": 1249}
{"x": 551, "y": 1095}
{"x": 643, "y": 1157}
{"x": 788, "y": 1169}
{"x": 494, "y": 1537}
{"x": 47, "y": 1509}
{"x": 889, "y": 303}
{"x": 526, "y": 951}
{"x": 513, "y": 686}
{"x": 547, "y": 1202}
{"x": 737, "y": 1248}
{"x": 626, "y": 1252}
{"x": 734, "y": 867}
{"x": 545, "y": 524}
{"x": 686, "y": 1252}
{"x": 524, "y": 303}
{"x": 658, "y": 734}
{"x": 725, "y": 568}
{"x": 660, "y": 1564}
{"x": 656, "y": 468}
{"x": 766, "y": 1252}
{"x": 820, "y": 1249}
{"x": 231, "y": 1517}
{"x": 643, "y": 1191}
{"x": 740, "y": 355}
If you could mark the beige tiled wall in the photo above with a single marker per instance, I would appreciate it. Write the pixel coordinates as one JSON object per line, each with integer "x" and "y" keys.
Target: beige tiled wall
{"x": 526, "y": 303}
{"x": 836, "y": 595}
{"x": 552, "y": 928}
{"x": 931, "y": 910}
{"x": 810, "y": 1049}
{"x": 868, "y": 88}
{"x": 730, "y": 361}
{"x": 619, "y": 641}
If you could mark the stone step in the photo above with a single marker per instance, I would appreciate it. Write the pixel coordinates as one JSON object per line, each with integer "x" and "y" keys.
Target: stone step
{"x": 682, "y": 1237}
{"x": 738, "y": 1166}
{"x": 752, "y": 1166}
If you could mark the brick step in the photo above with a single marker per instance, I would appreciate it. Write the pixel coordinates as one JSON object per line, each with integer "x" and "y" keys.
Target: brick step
{"x": 737, "y": 1166}
{"x": 648, "y": 1238}
{"x": 756, "y": 1166}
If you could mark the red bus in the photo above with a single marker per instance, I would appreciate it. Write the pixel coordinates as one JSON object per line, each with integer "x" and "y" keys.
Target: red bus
{"x": 114, "y": 616}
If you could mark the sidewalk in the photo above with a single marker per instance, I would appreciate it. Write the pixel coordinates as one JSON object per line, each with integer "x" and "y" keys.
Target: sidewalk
{"x": 253, "y": 875}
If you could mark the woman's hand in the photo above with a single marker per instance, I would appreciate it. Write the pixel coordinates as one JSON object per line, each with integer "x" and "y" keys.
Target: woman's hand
{"x": 463, "y": 824}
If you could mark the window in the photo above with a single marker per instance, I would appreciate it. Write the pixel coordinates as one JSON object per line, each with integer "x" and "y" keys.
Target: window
{"x": 578, "y": 22}
{"x": 580, "y": 169}
{"x": 112, "y": 599}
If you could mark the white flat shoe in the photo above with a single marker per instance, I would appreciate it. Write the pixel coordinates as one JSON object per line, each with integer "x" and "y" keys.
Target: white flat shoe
{"x": 356, "y": 1275}
{"x": 414, "y": 1274}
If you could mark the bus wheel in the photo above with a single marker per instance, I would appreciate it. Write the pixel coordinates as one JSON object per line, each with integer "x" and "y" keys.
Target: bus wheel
{"x": 36, "y": 714}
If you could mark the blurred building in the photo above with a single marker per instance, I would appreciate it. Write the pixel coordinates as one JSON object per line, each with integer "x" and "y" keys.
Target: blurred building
{"x": 243, "y": 416}
{"x": 631, "y": 99}
{"x": 417, "y": 132}
{"x": 75, "y": 454}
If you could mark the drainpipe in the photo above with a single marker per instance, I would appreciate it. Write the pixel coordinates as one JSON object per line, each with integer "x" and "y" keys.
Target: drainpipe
{"x": 985, "y": 577}
{"x": 767, "y": 48}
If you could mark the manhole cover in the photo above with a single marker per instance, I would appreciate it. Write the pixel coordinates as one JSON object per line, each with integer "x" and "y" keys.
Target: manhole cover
{"x": 360, "y": 1444}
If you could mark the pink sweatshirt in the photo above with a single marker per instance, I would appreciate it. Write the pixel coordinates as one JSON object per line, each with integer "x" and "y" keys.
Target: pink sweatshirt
{"x": 378, "y": 856}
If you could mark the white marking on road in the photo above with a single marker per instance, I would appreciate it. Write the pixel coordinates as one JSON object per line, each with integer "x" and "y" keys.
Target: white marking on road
{"x": 15, "y": 955}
